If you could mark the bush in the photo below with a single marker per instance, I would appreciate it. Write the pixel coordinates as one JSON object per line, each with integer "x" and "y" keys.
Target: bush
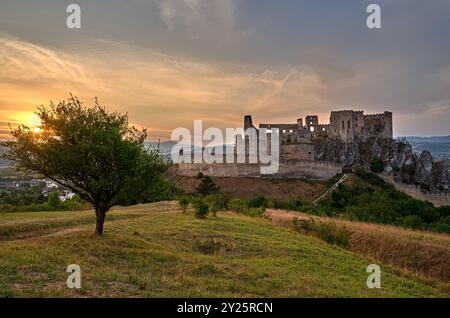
{"x": 217, "y": 202}
{"x": 368, "y": 198}
{"x": 329, "y": 232}
{"x": 376, "y": 165}
{"x": 411, "y": 221}
{"x": 214, "y": 246}
{"x": 443, "y": 225}
{"x": 183, "y": 202}
{"x": 444, "y": 210}
{"x": 237, "y": 205}
{"x": 259, "y": 201}
{"x": 302, "y": 205}
{"x": 272, "y": 204}
{"x": 207, "y": 186}
{"x": 201, "y": 208}
{"x": 53, "y": 200}
{"x": 242, "y": 206}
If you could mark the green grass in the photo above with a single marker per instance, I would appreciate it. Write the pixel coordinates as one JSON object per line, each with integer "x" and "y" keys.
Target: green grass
{"x": 150, "y": 251}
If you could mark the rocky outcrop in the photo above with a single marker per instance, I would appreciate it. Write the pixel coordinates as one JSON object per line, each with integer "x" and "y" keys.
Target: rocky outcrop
{"x": 398, "y": 158}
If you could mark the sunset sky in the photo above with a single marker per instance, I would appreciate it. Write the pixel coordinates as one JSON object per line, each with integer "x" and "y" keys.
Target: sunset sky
{"x": 168, "y": 62}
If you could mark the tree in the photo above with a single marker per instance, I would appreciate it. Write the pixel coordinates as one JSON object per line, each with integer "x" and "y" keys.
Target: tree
{"x": 53, "y": 200}
{"x": 207, "y": 186}
{"x": 88, "y": 150}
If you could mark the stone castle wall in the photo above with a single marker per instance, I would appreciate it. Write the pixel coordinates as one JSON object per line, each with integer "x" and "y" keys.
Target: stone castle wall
{"x": 438, "y": 198}
{"x": 298, "y": 151}
{"x": 287, "y": 169}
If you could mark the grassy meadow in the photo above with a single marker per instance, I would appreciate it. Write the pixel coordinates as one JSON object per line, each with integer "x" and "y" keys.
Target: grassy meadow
{"x": 156, "y": 251}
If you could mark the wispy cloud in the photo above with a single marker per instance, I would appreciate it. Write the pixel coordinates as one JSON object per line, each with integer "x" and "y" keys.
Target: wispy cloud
{"x": 157, "y": 90}
{"x": 208, "y": 20}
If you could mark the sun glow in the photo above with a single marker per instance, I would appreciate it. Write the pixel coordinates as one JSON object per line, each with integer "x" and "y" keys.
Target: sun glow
{"x": 36, "y": 130}
{"x": 34, "y": 122}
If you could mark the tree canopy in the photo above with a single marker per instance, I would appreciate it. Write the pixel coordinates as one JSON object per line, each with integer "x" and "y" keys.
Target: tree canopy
{"x": 93, "y": 152}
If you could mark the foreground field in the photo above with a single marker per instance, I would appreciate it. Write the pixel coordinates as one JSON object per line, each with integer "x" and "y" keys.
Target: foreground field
{"x": 153, "y": 250}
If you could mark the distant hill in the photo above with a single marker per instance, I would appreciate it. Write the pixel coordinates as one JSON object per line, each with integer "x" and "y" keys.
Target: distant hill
{"x": 438, "y": 145}
{"x": 166, "y": 147}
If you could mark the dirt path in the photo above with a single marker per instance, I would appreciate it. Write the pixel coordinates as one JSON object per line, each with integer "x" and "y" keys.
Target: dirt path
{"x": 20, "y": 230}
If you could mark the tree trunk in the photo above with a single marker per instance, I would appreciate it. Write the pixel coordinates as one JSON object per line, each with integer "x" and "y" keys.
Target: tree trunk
{"x": 100, "y": 213}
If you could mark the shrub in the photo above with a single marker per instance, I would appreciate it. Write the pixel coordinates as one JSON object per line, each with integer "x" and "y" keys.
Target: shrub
{"x": 201, "y": 208}
{"x": 259, "y": 201}
{"x": 410, "y": 221}
{"x": 53, "y": 200}
{"x": 302, "y": 205}
{"x": 213, "y": 246}
{"x": 272, "y": 204}
{"x": 329, "y": 232}
{"x": 443, "y": 225}
{"x": 298, "y": 204}
{"x": 207, "y": 186}
{"x": 376, "y": 165}
{"x": 333, "y": 234}
{"x": 237, "y": 205}
{"x": 183, "y": 202}
{"x": 242, "y": 206}
{"x": 217, "y": 202}
{"x": 444, "y": 210}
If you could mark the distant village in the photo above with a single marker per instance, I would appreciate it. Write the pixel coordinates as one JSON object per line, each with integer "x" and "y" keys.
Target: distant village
{"x": 45, "y": 186}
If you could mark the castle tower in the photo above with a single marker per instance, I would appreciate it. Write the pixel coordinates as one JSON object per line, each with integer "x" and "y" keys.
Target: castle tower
{"x": 248, "y": 122}
{"x": 346, "y": 125}
{"x": 378, "y": 125}
{"x": 312, "y": 123}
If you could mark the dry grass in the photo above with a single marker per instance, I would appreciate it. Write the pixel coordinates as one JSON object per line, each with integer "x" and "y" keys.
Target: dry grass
{"x": 424, "y": 253}
{"x": 155, "y": 250}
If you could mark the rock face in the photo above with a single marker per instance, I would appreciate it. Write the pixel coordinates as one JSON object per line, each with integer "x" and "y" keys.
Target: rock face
{"x": 397, "y": 156}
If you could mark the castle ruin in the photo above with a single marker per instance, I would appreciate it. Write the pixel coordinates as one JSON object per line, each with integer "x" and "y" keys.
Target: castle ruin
{"x": 347, "y": 126}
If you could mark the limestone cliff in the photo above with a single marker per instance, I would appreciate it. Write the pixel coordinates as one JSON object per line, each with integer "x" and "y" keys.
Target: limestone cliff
{"x": 398, "y": 157}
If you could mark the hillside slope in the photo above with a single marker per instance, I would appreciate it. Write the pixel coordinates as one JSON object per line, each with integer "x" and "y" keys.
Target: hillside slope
{"x": 248, "y": 188}
{"x": 153, "y": 250}
{"x": 425, "y": 253}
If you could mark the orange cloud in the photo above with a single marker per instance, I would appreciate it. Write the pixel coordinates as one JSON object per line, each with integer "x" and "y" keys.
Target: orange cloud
{"x": 157, "y": 90}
